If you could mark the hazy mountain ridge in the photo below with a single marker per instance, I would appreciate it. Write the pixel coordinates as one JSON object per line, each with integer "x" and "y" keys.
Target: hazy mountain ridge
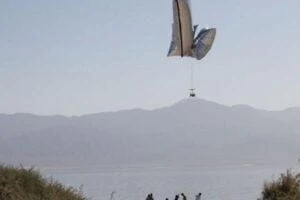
{"x": 192, "y": 129}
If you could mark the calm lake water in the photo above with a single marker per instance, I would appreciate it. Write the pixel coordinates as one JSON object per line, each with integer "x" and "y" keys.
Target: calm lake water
{"x": 227, "y": 182}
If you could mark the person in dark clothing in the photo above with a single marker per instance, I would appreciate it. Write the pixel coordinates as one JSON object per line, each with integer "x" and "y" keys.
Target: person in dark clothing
{"x": 198, "y": 196}
{"x": 149, "y": 197}
{"x": 177, "y": 197}
{"x": 183, "y": 196}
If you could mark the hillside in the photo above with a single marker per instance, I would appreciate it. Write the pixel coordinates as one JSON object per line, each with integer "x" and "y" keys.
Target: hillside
{"x": 28, "y": 184}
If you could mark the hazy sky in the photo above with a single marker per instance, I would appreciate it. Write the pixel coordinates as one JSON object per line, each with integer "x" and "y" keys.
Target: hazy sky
{"x": 74, "y": 57}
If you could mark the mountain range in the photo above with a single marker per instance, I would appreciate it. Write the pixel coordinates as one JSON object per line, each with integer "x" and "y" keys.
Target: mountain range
{"x": 190, "y": 131}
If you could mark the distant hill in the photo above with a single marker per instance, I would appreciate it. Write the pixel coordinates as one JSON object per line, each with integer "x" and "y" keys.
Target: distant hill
{"x": 190, "y": 131}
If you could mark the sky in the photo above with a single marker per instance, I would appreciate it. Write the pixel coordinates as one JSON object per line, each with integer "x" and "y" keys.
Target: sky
{"x": 75, "y": 57}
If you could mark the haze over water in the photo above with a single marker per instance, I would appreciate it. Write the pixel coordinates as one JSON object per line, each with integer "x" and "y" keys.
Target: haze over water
{"x": 234, "y": 182}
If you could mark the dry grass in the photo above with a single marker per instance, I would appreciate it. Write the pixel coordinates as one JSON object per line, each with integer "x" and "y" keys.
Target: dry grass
{"x": 28, "y": 184}
{"x": 287, "y": 187}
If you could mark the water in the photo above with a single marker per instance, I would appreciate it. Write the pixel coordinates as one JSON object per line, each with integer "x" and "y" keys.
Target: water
{"x": 231, "y": 182}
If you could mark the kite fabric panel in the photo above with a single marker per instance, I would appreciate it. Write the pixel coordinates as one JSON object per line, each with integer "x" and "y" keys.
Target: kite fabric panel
{"x": 204, "y": 42}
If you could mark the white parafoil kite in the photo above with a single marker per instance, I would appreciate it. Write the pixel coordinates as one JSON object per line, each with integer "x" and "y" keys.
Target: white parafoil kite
{"x": 184, "y": 42}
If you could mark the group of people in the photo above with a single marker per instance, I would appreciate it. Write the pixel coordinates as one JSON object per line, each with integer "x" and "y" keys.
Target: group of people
{"x": 198, "y": 196}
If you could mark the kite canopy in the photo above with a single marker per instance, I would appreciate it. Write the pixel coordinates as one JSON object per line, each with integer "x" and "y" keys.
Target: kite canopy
{"x": 184, "y": 43}
{"x": 203, "y": 42}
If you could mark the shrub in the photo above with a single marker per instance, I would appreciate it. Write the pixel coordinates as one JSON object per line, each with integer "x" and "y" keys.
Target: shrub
{"x": 28, "y": 184}
{"x": 287, "y": 187}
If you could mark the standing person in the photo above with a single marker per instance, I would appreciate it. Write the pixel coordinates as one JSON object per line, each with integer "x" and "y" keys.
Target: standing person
{"x": 183, "y": 196}
{"x": 177, "y": 197}
{"x": 198, "y": 196}
{"x": 112, "y": 195}
{"x": 149, "y": 197}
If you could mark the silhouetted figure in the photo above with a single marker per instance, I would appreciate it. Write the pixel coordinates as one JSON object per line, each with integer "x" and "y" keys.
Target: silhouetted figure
{"x": 112, "y": 195}
{"x": 149, "y": 197}
{"x": 183, "y": 196}
{"x": 167, "y": 199}
{"x": 177, "y": 197}
{"x": 198, "y": 196}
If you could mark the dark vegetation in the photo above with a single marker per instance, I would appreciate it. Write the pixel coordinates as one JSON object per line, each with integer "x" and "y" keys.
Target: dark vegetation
{"x": 28, "y": 184}
{"x": 286, "y": 187}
